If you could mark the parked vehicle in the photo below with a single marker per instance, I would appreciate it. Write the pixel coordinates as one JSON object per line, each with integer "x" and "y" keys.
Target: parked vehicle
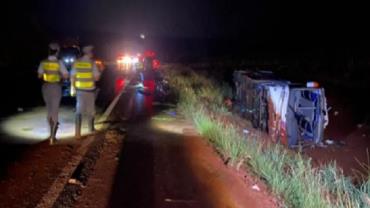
{"x": 290, "y": 113}
{"x": 69, "y": 55}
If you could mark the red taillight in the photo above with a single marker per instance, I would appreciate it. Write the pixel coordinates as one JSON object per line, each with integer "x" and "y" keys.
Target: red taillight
{"x": 120, "y": 83}
{"x": 149, "y": 85}
{"x": 156, "y": 64}
{"x": 149, "y": 53}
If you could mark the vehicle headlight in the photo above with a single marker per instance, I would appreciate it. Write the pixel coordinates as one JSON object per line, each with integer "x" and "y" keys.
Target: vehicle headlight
{"x": 127, "y": 60}
{"x": 135, "y": 60}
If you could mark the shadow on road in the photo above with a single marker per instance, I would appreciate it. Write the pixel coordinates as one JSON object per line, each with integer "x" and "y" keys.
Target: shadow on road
{"x": 134, "y": 182}
{"x": 153, "y": 170}
{"x": 9, "y": 154}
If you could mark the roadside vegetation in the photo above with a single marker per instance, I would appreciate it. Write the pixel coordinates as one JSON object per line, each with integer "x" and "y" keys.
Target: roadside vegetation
{"x": 289, "y": 175}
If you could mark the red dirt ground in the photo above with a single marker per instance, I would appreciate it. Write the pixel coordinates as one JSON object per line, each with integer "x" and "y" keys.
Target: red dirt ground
{"x": 352, "y": 142}
{"x": 30, "y": 176}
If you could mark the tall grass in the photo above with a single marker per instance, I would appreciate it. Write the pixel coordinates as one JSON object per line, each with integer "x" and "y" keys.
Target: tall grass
{"x": 290, "y": 176}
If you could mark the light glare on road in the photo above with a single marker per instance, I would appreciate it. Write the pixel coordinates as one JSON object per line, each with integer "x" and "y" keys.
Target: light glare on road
{"x": 31, "y": 126}
{"x": 170, "y": 124}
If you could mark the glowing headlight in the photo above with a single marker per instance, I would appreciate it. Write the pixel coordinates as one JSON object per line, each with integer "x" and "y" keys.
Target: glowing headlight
{"x": 126, "y": 60}
{"x": 135, "y": 60}
{"x": 313, "y": 84}
{"x": 68, "y": 60}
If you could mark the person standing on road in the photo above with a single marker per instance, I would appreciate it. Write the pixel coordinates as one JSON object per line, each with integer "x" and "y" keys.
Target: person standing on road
{"x": 52, "y": 71}
{"x": 84, "y": 75}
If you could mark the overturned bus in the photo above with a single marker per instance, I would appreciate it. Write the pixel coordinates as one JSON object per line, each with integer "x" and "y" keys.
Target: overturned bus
{"x": 291, "y": 114}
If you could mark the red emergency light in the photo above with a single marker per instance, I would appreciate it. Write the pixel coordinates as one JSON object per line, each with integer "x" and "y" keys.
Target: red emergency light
{"x": 156, "y": 64}
{"x": 149, "y": 53}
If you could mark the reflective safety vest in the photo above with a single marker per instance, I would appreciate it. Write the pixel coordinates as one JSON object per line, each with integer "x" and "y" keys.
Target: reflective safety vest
{"x": 84, "y": 75}
{"x": 51, "y": 71}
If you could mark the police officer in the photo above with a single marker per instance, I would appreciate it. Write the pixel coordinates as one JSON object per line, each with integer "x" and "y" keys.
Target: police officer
{"x": 52, "y": 71}
{"x": 84, "y": 75}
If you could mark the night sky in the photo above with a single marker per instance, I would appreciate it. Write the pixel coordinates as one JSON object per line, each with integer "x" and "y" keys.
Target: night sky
{"x": 164, "y": 18}
{"x": 258, "y": 23}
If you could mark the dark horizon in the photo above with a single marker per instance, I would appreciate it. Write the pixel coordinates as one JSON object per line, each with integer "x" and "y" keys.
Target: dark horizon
{"x": 193, "y": 29}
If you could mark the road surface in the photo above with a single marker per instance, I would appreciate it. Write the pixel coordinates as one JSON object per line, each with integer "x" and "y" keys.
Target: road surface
{"x": 164, "y": 163}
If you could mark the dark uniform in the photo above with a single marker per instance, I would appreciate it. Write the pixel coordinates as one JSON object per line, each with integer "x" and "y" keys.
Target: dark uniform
{"x": 84, "y": 74}
{"x": 51, "y": 71}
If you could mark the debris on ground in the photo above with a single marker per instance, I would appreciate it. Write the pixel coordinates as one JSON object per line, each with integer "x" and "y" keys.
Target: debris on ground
{"x": 172, "y": 113}
{"x": 342, "y": 143}
{"x": 74, "y": 181}
{"x": 322, "y": 145}
{"x": 240, "y": 163}
{"x": 27, "y": 129}
{"x": 180, "y": 200}
{"x": 122, "y": 130}
{"x": 366, "y": 199}
{"x": 245, "y": 131}
{"x": 256, "y": 187}
{"x": 329, "y": 141}
{"x": 228, "y": 103}
{"x": 227, "y": 160}
{"x": 113, "y": 135}
{"x": 123, "y": 118}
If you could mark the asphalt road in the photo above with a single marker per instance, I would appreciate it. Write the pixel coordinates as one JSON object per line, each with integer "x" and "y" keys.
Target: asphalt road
{"x": 162, "y": 162}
